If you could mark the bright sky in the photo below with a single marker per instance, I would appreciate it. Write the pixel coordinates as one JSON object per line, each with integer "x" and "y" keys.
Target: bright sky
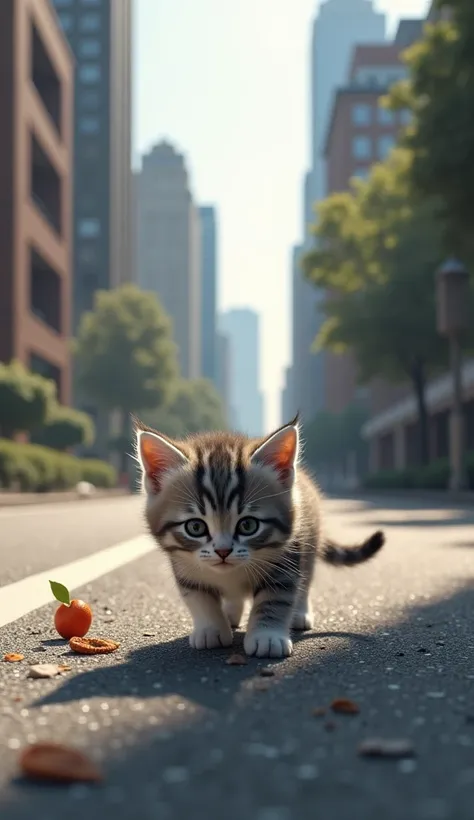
{"x": 228, "y": 84}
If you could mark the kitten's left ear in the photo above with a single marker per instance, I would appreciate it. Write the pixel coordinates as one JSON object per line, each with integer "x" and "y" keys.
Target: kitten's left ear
{"x": 280, "y": 452}
{"x": 157, "y": 456}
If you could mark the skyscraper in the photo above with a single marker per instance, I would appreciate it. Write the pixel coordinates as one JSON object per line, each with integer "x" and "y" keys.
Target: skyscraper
{"x": 338, "y": 27}
{"x": 208, "y": 292}
{"x": 241, "y": 325}
{"x": 36, "y": 143}
{"x": 100, "y": 35}
{"x": 169, "y": 248}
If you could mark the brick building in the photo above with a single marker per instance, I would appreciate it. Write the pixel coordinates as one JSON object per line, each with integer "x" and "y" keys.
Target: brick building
{"x": 362, "y": 132}
{"x": 36, "y": 104}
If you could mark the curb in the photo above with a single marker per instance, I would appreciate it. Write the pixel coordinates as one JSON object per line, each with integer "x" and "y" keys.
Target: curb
{"x": 24, "y": 499}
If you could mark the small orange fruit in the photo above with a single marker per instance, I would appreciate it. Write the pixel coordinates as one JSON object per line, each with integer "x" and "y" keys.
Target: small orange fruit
{"x": 74, "y": 617}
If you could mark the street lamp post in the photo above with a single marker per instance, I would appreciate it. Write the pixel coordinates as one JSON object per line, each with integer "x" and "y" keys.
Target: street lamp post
{"x": 452, "y": 291}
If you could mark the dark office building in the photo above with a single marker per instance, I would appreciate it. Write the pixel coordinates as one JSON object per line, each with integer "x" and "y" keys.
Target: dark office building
{"x": 100, "y": 35}
{"x": 36, "y": 109}
{"x": 208, "y": 292}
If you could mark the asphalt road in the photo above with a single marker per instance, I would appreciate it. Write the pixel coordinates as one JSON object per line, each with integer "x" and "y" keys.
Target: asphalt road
{"x": 182, "y": 734}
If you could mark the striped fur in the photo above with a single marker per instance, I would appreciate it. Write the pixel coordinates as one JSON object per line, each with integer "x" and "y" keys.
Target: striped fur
{"x": 240, "y": 521}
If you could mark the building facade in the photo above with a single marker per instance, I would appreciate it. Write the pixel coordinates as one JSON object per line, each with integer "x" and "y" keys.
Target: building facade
{"x": 242, "y": 328}
{"x": 338, "y": 27}
{"x": 169, "y": 248}
{"x": 362, "y": 132}
{"x": 36, "y": 152}
{"x": 100, "y": 35}
{"x": 209, "y": 256}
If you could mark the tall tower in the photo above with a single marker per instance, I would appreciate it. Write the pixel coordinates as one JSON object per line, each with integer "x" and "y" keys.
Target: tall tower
{"x": 100, "y": 36}
{"x": 242, "y": 327}
{"x": 169, "y": 248}
{"x": 209, "y": 255}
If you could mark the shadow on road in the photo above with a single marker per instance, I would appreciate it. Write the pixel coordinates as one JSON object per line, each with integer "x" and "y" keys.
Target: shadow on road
{"x": 260, "y": 753}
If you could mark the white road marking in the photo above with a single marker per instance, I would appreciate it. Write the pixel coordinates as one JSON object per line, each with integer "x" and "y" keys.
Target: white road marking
{"x": 22, "y": 597}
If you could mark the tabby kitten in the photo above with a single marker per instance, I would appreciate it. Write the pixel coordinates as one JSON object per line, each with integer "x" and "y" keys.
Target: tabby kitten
{"x": 240, "y": 520}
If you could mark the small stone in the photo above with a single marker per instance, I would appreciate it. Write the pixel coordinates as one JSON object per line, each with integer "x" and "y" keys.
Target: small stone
{"x": 329, "y": 726}
{"x": 236, "y": 660}
{"x": 436, "y": 695}
{"x": 266, "y": 673}
{"x": 44, "y": 670}
{"x": 175, "y": 775}
{"x": 320, "y": 711}
{"x": 389, "y": 748}
{"x": 149, "y": 634}
{"x": 307, "y": 771}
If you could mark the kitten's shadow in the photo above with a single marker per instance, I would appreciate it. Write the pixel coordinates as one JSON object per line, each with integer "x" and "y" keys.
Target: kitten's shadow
{"x": 171, "y": 668}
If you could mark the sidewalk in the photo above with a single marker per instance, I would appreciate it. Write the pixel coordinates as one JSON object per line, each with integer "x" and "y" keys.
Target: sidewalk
{"x": 11, "y": 499}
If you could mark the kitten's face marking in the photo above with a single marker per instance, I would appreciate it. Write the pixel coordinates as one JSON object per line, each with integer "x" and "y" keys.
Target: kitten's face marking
{"x": 220, "y": 502}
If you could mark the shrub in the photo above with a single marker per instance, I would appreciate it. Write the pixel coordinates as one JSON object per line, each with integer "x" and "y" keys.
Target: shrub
{"x": 66, "y": 427}
{"x": 33, "y": 468}
{"x": 25, "y": 399}
{"x": 434, "y": 476}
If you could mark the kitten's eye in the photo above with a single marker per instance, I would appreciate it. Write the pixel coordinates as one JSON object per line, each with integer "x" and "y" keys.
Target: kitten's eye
{"x": 247, "y": 526}
{"x": 196, "y": 528}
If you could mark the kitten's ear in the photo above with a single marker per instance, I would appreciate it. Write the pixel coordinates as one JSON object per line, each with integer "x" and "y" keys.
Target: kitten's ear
{"x": 280, "y": 452}
{"x": 157, "y": 456}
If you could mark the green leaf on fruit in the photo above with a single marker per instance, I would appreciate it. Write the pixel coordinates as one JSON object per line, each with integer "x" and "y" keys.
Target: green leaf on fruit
{"x": 60, "y": 592}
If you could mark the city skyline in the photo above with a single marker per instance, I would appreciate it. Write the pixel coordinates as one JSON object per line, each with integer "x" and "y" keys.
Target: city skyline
{"x": 233, "y": 150}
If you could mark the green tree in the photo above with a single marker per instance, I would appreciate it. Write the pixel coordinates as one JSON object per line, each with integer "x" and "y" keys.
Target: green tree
{"x": 125, "y": 354}
{"x": 66, "y": 427}
{"x": 195, "y": 407}
{"x": 25, "y": 399}
{"x": 380, "y": 248}
{"x": 439, "y": 92}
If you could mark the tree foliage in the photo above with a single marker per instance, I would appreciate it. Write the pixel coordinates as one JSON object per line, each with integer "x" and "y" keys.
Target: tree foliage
{"x": 25, "y": 399}
{"x": 439, "y": 92}
{"x": 125, "y": 354}
{"x": 329, "y": 437}
{"x": 195, "y": 407}
{"x": 379, "y": 248}
{"x": 66, "y": 427}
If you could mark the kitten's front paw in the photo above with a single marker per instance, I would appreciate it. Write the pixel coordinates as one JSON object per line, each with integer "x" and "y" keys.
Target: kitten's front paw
{"x": 267, "y": 643}
{"x": 302, "y": 620}
{"x": 211, "y": 637}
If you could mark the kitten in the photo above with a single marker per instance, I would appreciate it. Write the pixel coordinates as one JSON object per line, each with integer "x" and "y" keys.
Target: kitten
{"x": 240, "y": 520}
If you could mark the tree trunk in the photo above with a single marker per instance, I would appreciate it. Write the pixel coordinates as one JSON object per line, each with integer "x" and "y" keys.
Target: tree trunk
{"x": 419, "y": 384}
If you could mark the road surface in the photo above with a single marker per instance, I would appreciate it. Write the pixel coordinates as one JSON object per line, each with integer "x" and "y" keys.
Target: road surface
{"x": 182, "y": 734}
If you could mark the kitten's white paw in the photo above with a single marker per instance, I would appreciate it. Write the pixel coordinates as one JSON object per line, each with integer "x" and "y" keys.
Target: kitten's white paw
{"x": 211, "y": 637}
{"x": 234, "y": 611}
{"x": 266, "y": 643}
{"x": 302, "y": 620}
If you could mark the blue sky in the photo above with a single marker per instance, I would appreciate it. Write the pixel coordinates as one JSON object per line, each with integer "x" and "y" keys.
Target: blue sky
{"x": 228, "y": 84}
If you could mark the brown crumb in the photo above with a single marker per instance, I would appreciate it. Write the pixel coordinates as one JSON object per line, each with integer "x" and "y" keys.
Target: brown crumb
{"x": 13, "y": 657}
{"x": 61, "y": 764}
{"x": 344, "y": 706}
{"x": 237, "y": 660}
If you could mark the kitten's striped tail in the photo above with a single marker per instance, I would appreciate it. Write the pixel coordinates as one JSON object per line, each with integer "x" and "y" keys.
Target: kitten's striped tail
{"x": 339, "y": 556}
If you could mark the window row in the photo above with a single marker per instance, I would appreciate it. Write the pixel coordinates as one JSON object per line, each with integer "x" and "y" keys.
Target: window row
{"x": 86, "y": 23}
{"x": 364, "y": 148}
{"x": 365, "y": 114}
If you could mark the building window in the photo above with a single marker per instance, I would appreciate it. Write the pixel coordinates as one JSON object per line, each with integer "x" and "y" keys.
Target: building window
{"x": 89, "y": 99}
{"x": 362, "y": 147}
{"x": 89, "y": 74}
{"x": 406, "y": 116}
{"x": 385, "y": 145}
{"x": 45, "y": 292}
{"x": 89, "y": 125}
{"x": 385, "y": 116}
{"x": 361, "y": 114}
{"x": 61, "y": 3}
{"x": 46, "y": 369}
{"x": 89, "y": 22}
{"x": 91, "y": 2}
{"x": 66, "y": 20}
{"x": 88, "y": 228}
{"x": 361, "y": 173}
{"x": 89, "y": 48}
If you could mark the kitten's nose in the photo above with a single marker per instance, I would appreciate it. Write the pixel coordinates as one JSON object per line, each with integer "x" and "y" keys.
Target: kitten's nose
{"x": 223, "y": 553}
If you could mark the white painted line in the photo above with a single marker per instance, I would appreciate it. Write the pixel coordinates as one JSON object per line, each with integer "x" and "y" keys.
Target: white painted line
{"x": 30, "y": 593}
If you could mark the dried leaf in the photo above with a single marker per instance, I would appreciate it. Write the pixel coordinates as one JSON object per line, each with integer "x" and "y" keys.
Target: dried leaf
{"x": 51, "y": 761}
{"x": 237, "y": 660}
{"x": 44, "y": 670}
{"x": 93, "y": 646}
{"x": 13, "y": 657}
{"x": 344, "y": 706}
{"x": 389, "y": 748}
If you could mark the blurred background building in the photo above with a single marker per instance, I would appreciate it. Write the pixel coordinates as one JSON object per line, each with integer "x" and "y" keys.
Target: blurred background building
{"x": 241, "y": 326}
